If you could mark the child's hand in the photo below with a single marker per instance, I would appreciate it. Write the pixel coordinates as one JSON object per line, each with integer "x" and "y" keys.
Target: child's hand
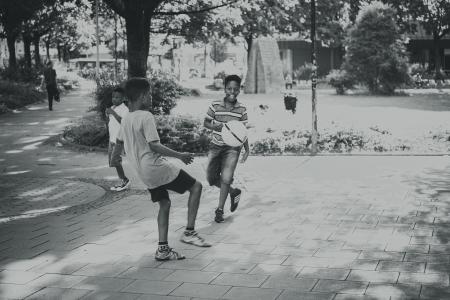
{"x": 109, "y": 110}
{"x": 244, "y": 157}
{"x": 187, "y": 158}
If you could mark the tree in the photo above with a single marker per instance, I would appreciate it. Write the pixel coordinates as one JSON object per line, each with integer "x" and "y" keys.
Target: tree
{"x": 280, "y": 17}
{"x": 432, "y": 15}
{"x": 330, "y": 21}
{"x": 72, "y": 31}
{"x": 138, "y": 15}
{"x": 12, "y": 15}
{"x": 262, "y": 18}
{"x": 218, "y": 53}
{"x": 41, "y": 23}
{"x": 375, "y": 55}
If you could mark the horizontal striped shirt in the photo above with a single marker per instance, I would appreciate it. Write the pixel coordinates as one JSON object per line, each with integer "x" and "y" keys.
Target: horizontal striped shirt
{"x": 220, "y": 113}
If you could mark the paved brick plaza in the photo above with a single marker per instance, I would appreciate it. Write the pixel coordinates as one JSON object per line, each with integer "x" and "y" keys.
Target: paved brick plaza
{"x": 330, "y": 227}
{"x": 307, "y": 228}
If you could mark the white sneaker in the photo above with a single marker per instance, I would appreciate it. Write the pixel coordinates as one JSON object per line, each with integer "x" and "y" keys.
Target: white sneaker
{"x": 125, "y": 184}
{"x": 192, "y": 237}
{"x": 168, "y": 254}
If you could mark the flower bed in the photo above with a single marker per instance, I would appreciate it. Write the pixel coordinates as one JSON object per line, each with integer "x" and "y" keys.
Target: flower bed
{"x": 14, "y": 95}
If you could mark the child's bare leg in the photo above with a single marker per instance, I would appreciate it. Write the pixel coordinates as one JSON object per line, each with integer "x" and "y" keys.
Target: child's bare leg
{"x": 195, "y": 193}
{"x": 163, "y": 219}
{"x": 120, "y": 172}
{"x": 224, "y": 190}
{"x": 228, "y": 166}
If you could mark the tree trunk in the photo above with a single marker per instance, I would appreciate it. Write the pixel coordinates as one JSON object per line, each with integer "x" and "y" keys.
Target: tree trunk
{"x": 11, "y": 40}
{"x": 115, "y": 47}
{"x": 249, "y": 40}
{"x": 437, "y": 55}
{"x": 137, "y": 24}
{"x": 66, "y": 54}
{"x": 47, "y": 49}
{"x": 58, "y": 47}
{"x": 27, "y": 50}
{"x": 314, "y": 133}
{"x": 204, "y": 62}
{"x": 37, "y": 54}
{"x": 354, "y": 10}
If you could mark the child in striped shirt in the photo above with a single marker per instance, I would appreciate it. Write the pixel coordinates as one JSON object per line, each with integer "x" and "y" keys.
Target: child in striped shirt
{"x": 222, "y": 159}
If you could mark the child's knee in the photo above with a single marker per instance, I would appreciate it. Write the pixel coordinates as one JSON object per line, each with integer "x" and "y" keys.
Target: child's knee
{"x": 197, "y": 187}
{"x": 227, "y": 178}
{"x": 164, "y": 204}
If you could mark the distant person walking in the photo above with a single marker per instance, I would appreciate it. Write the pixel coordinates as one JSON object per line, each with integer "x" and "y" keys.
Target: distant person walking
{"x": 49, "y": 80}
{"x": 288, "y": 81}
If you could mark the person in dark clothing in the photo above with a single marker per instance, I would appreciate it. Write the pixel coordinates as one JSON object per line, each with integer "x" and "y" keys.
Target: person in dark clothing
{"x": 49, "y": 80}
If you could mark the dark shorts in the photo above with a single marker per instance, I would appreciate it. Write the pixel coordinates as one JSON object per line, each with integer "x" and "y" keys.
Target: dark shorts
{"x": 111, "y": 147}
{"x": 222, "y": 162}
{"x": 181, "y": 184}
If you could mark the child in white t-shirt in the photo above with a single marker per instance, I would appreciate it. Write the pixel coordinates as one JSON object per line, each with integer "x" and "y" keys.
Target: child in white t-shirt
{"x": 115, "y": 113}
{"x": 146, "y": 155}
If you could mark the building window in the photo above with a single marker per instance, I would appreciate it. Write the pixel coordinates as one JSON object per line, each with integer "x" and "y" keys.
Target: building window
{"x": 446, "y": 59}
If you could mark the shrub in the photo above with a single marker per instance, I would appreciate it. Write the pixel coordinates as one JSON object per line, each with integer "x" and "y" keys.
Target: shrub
{"x": 304, "y": 72}
{"x": 22, "y": 73}
{"x": 340, "y": 80}
{"x": 183, "y": 134}
{"x": 15, "y": 94}
{"x": 180, "y": 134}
{"x": 67, "y": 80}
{"x": 103, "y": 97}
{"x": 3, "y": 108}
{"x": 266, "y": 146}
{"x": 105, "y": 75}
{"x": 165, "y": 92}
{"x": 375, "y": 56}
{"x": 90, "y": 131}
{"x": 418, "y": 69}
{"x": 220, "y": 75}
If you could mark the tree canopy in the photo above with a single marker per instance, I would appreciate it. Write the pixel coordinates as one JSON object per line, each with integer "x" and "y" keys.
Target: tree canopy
{"x": 138, "y": 15}
{"x": 375, "y": 55}
{"x": 12, "y": 16}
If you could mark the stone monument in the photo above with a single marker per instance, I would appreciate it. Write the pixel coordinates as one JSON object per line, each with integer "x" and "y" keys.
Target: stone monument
{"x": 265, "y": 70}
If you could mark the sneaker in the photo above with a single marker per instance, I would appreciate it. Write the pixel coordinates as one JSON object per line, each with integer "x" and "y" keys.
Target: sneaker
{"x": 168, "y": 254}
{"x": 219, "y": 215}
{"x": 192, "y": 237}
{"x": 235, "y": 196}
{"x": 125, "y": 184}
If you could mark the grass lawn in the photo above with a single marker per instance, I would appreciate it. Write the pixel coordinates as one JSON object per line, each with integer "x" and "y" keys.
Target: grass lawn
{"x": 418, "y": 122}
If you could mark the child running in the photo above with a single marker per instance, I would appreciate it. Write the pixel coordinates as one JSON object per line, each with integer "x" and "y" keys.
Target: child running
{"x": 222, "y": 159}
{"x": 145, "y": 153}
{"x": 115, "y": 114}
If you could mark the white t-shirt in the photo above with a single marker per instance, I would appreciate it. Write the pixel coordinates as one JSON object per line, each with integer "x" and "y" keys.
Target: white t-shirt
{"x": 137, "y": 129}
{"x": 113, "y": 125}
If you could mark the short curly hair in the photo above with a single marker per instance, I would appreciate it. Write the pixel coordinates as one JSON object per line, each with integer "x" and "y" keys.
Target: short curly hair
{"x": 136, "y": 87}
{"x": 233, "y": 77}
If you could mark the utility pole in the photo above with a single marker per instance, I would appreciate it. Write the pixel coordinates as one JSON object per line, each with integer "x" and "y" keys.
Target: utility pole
{"x": 97, "y": 60}
{"x": 313, "y": 78}
{"x": 115, "y": 46}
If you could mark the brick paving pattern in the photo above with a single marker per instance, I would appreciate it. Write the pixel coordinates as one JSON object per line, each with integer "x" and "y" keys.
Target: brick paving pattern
{"x": 306, "y": 228}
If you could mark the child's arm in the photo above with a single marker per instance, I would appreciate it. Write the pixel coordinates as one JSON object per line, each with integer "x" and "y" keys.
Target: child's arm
{"x": 185, "y": 157}
{"x": 246, "y": 153}
{"x": 212, "y": 124}
{"x": 111, "y": 111}
{"x": 210, "y": 121}
{"x": 244, "y": 120}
